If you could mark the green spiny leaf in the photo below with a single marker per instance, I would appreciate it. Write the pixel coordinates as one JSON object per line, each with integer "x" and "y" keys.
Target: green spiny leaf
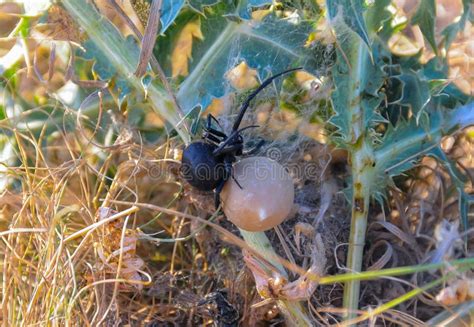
{"x": 375, "y": 76}
{"x": 437, "y": 86}
{"x": 403, "y": 145}
{"x": 358, "y": 77}
{"x": 450, "y": 96}
{"x": 169, "y": 11}
{"x": 350, "y": 12}
{"x": 457, "y": 178}
{"x": 425, "y": 18}
{"x": 105, "y": 70}
{"x": 377, "y": 15}
{"x": 415, "y": 92}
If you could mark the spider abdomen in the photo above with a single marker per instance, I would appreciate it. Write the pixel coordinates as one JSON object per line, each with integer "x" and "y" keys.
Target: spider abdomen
{"x": 200, "y": 167}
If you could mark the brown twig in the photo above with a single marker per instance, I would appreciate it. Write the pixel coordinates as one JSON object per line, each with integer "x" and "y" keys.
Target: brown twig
{"x": 52, "y": 60}
{"x": 149, "y": 39}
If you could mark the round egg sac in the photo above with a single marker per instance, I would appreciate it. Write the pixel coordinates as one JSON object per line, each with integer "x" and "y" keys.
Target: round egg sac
{"x": 263, "y": 197}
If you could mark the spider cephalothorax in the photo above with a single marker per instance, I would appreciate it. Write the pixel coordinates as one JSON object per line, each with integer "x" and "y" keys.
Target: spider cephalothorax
{"x": 207, "y": 163}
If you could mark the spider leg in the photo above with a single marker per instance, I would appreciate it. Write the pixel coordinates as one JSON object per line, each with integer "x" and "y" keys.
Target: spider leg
{"x": 216, "y": 132}
{"x": 211, "y": 117}
{"x": 246, "y": 127}
{"x": 237, "y": 182}
{"x": 211, "y": 137}
{"x": 230, "y": 139}
{"x": 233, "y": 148}
{"x": 214, "y": 136}
{"x": 254, "y": 149}
{"x": 227, "y": 174}
{"x": 212, "y": 133}
{"x": 217, "y": 193}
{"x": 246, "y": 103}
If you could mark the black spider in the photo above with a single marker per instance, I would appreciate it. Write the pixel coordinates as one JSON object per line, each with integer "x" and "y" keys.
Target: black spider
{"x": 207, "y": 163}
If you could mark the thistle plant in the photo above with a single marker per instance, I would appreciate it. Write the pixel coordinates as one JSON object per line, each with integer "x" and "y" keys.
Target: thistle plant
{"x": 386, "y": 111}
{"x": 363, "y": 71}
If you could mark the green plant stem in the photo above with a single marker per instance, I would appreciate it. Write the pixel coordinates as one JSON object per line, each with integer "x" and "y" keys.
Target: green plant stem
{"x": 392, "y": 272}
{"x": 362, "y": 171}
{"x": 294, "y": 312}
{"x": 355, "y": 254}
{"x": 113, "y": 46}
{"x": 405, "y": 297}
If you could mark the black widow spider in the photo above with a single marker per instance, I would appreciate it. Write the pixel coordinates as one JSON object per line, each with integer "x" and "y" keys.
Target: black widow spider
{"x": 207, "y": 164}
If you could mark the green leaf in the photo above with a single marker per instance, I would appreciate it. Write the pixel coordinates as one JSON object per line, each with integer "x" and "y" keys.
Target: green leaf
{"x": 457, "y": 177}
{"x": 425, "y": 18}
{"x": 270, "y": 46}
{"x": 358, "y": 77}
{"x": 437, "y": 86}
{"x": 465, "y": 203}
{"x": 450, "y": 96}
{"x": 350, "y": 12}
{"x": 403, "y": 145}
{"x": 102, "y": 67}
{"x": 377, "y": 15}
{"x": 105, "y": 70}
{"x": 401, "y": 148}
{"x": 459, "y": 180}
{"x": 169, "y": 11}
{"x": 375, "y": 76}
{"x": 415, "y": 92}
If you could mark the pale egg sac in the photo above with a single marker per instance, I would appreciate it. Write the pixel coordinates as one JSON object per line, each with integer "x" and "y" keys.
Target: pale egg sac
{"x": 265, "y": 197}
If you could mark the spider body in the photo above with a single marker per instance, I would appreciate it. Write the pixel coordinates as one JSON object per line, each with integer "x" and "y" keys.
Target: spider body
{"x": 207, "y": 164}
{"x": 201, "y": 166}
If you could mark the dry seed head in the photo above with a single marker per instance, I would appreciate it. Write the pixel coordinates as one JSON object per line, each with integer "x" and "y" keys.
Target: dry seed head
{"x": 142, "y": 8}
